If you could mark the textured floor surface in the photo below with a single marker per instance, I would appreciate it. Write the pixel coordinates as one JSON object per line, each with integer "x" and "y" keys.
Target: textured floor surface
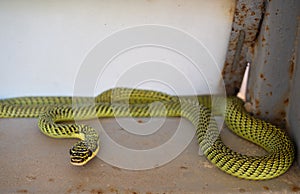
{"x": 34, "y": 163}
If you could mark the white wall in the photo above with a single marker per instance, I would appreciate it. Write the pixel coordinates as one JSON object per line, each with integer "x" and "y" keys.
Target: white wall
{"x": 45, "y": 44}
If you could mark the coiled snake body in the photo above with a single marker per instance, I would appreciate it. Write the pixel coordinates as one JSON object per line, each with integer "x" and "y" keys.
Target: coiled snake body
{"x": 125, "y": 102}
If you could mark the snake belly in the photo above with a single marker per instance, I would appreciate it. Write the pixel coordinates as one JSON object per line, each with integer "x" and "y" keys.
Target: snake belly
{"x": 126, "y": 102}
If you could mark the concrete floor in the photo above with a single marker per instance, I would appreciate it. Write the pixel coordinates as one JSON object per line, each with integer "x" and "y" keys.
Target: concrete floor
{"x": 34, "y": 163}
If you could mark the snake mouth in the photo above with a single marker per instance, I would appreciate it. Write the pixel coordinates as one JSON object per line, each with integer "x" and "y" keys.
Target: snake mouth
{"x": 80, "y": 154}
{"x": 80, "y": 159}
{"x": 77, "y": 161}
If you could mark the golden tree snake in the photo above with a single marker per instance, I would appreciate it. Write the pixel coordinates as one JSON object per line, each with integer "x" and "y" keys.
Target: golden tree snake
{"x": 126, "y": 102}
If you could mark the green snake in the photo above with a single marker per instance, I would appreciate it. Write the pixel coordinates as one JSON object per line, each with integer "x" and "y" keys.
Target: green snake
{"x": 126, "y": 102}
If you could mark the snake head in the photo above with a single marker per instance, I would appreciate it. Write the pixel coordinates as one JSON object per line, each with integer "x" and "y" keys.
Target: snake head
{"x": 81, "y": 153}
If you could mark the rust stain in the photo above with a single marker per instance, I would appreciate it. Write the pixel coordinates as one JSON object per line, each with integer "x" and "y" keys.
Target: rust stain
{"x": 244, "y": 7}
{"x": 266, "y": 188}
{"x": 282, "y": 113}
{"x": 261, "y": 6}
{"x": 22, "y": 191}
{"x": 69, "y": 190}
{"x": 295, "y": 188}
{"x": 252, "y": 49}
{"x": 98, "y": 191}
{"x": 262, "y": 77}
{"x": 265, "y": 61}
{"x": 242, "y": 190}
{"x": 51, "y": 180}
{"x": 286, "y": 101}
{"x": 292, "y": 66}
{"x": 267, "y": 28}
{"x": 258, "y": 113}
{"x": 256, "y": 103}
{"x": 183, "y": 167}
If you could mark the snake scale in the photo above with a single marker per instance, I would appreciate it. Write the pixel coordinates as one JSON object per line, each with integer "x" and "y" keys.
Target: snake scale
{"x": 126, "y": 102}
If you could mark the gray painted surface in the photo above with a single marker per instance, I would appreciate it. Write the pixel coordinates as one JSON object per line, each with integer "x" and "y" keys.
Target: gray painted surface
{"x": 294, "y": 108}
{"x": 275, "y": 76}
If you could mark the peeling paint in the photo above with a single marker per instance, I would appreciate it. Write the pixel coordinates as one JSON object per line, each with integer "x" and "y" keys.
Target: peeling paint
{"x": 292, "y": 66}
{"x": 286, "y": 101}
{"x": 247, "y": 17}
